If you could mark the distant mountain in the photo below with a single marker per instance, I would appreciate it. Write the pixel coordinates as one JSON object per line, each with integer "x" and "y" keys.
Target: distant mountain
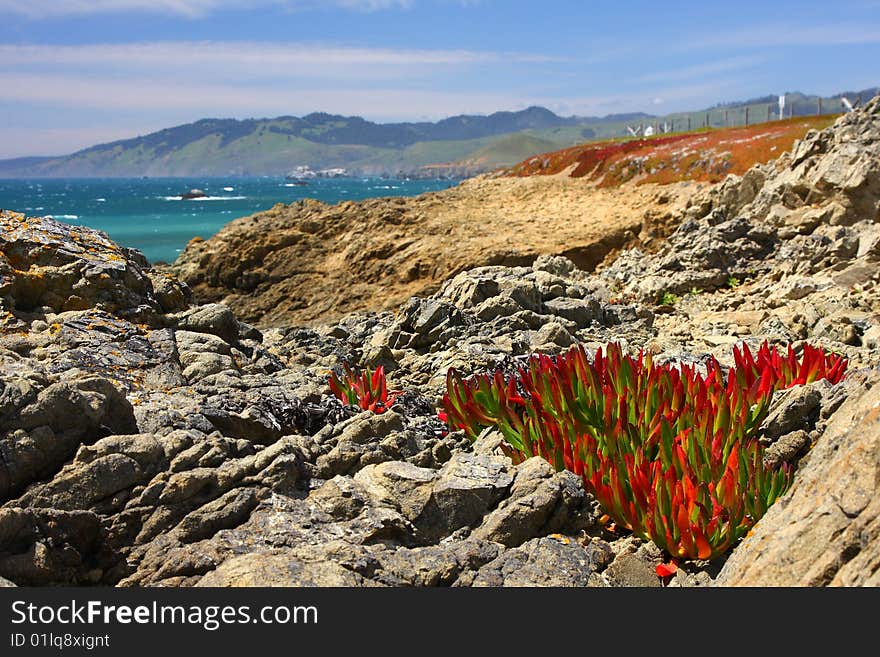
{"x": 274, "y": 146}
{"x": 21, "y": 163}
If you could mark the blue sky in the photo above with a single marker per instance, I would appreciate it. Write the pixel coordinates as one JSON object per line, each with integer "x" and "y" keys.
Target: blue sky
{"x": 78, "y": 72}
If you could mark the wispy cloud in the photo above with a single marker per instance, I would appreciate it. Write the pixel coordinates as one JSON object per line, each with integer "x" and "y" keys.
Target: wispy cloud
{"x": 185, "y": 8}
{"x": 198, "y": 99}
{"x": 218, "y": 99}
{"x": 225, "y": 57}
{"x": 786, "y": 35}
{"x": 708, "y": 70}
{"x": 146, "y": 82}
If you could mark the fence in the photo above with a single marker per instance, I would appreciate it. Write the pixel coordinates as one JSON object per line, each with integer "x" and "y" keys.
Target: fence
{"x": 725, "y": 117}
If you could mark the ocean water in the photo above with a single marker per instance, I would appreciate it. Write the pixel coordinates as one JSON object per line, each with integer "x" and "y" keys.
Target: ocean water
{"x": 148, "y": 213}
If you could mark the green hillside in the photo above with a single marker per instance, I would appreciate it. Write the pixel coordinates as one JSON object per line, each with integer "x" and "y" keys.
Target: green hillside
{"x": 512, "y": 148}
{"x": 459, "y": 145}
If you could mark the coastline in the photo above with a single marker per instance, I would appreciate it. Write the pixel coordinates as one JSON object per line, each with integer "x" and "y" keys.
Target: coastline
{"x": 149, "y": 214}
{"x": 310, "y": 262}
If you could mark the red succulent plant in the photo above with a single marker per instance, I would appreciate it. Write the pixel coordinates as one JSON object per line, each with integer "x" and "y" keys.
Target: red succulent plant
{"x": 367, "y": 390}
{"x": 669, "y": 452}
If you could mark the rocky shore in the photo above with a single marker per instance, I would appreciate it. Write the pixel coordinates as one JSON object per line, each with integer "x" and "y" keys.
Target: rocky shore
{"x": 309, "y": 262}
{"x": 146, "y": 440}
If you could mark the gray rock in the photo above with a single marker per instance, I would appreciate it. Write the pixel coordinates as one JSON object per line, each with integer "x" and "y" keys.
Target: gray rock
{"x": 80, "y": 406}
{"x": 550, "y": 336}
{"x": 344, "y": 498}
{"x": 401, "y": 485}
{"x": 171, "y": 294}
{"x": 793, "y": 409}
{"x": 494, "y": 307}
{"x": 632, "y": 570}
{"x": 213, "y": 318}
{"x": 525, "y": 293}
{"x": 446, "y": 564}
{"x": 83, "y": 486}
{"x": 227, "y": 511}
{"x": 66, "y": 267}
{"x": 422, "y": 322}
{"x": 40, "y": 547}
{"x": 786, "y": 449}
{"x": 468, "y": 290}
{"x": 837, "y": 328}
{"x": 824, "y": 531}
{"x": 363, "y": 428}
{"x": 279, "y": 570}
{"x": 543, "y": 562}
{"x": 62, "y": 416}
{"x": 580, "y": 311}
{"x": 558, "y": 265}
{"x": 465, "y": 489}
{"x": 541, "y": 502}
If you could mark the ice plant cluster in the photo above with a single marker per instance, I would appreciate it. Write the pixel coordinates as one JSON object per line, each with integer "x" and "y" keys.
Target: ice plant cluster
{"x": 669, "y": 451}
{"x": 366, "y": 390}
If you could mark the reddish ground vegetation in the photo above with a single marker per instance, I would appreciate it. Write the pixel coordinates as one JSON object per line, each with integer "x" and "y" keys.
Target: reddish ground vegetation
{"x": 704, "y": 156}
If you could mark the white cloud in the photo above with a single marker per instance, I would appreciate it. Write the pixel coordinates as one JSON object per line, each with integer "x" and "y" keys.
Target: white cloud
{"x": 246, "y": 61}
{"x": 785, "y": 35}
{"x": 708, "y": 70}
{"x": 185, "y": 8}
{"x": 383, "y": 103}
{"x": 244, "y": 54}
{"x": 176, "y": 82}
{"x": 225, "y": 100}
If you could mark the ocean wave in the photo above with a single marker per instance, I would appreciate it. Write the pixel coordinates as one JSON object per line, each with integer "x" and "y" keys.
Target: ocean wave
{"x": 63, "y": 216}
{"x": 229, "y": 189}
{"x": 206, "y": 198}
{"x": 219, "y": 198}
{"x": 101, "y": 200}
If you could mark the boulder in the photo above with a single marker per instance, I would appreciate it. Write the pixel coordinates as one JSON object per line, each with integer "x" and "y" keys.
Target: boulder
{"x": 825, "y": 531}
{"x": 47, "y": 264}
{"x": 557, "y": 561}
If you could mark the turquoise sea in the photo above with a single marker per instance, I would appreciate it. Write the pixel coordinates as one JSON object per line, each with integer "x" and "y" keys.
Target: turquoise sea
{"x": 148, "y": 213}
